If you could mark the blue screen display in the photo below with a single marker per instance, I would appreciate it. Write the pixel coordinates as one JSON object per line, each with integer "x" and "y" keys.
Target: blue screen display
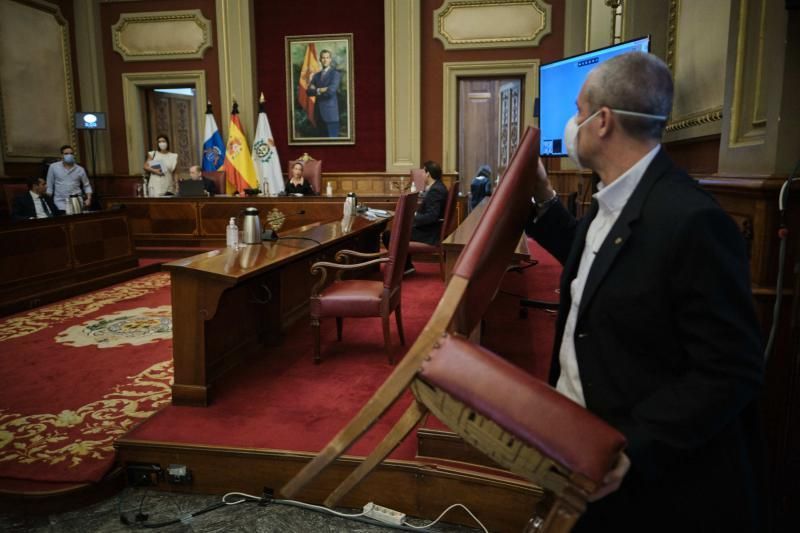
{"x": 559, "y": 85}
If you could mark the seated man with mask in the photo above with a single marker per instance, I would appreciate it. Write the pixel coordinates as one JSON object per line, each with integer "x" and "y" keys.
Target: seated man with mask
{"x": 656, "y": 331}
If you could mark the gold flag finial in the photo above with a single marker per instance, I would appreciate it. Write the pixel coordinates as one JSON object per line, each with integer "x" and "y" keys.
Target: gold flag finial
{"x": 261, "y": 98}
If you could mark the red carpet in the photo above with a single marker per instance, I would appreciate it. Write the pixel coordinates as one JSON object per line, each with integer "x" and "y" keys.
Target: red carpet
{"x": 283, "y": 401}
{"x": 77, "y": 375}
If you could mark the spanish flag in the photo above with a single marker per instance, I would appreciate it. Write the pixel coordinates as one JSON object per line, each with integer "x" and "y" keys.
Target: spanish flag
{"x": 240, "y": 173}
{"x": 310, "y": 67}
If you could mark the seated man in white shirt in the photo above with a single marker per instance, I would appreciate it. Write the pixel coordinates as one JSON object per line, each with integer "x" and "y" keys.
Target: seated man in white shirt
{"x": 34, "y": 203}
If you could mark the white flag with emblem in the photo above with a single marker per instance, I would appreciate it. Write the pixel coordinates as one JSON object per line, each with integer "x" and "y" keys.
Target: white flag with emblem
{"x": 265, "y": 156}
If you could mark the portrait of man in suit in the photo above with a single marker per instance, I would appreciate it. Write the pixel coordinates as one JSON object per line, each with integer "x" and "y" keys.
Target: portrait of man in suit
{"x": 320, "y": 89}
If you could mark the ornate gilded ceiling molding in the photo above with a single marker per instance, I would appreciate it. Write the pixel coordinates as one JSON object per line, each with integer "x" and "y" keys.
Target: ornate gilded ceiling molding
{"x": 162, "y": 35}
{"x": 470, "y": 24}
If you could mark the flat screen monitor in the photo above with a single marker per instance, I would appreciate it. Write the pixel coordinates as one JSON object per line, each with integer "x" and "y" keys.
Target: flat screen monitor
{"x": 90, "y": 120}
{"x": 559, "y": 85}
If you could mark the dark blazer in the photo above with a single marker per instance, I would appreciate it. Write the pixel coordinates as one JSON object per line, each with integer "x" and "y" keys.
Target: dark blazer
{"x": 305, "y": 188}
{"x": 669, "y": 353}
{"x": 427, "y": 224}
{"x": 210, "y": 186}
{"x": 327, "y": 102}
{"x": 23, "y": 207}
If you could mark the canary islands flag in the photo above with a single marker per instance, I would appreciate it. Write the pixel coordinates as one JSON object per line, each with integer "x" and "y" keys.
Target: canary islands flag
{"x": 213, "y": 147}
{"x": 240, "y": 173}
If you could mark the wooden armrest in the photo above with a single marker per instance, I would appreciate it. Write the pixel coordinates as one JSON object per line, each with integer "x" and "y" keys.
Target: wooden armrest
{"x": 323, "y": 266}
{"x": 344, "y": 255}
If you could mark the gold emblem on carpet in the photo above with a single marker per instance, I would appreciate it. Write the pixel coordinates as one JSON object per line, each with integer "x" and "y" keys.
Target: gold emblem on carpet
{"x": 89, "y": 431}
{"x": 49, "y": 315}
{"x": 138, "y": 326}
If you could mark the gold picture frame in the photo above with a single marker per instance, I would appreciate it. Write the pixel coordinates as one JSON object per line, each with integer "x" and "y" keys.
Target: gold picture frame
{"x": 319, "y": 89}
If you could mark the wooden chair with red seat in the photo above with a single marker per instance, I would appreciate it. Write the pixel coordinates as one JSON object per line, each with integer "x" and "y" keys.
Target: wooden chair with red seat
{"x": 312, "y": 171}
{"x": 365, "y": 298}
{"x": 519, "y": 421}
{"x": 448, "y": 225}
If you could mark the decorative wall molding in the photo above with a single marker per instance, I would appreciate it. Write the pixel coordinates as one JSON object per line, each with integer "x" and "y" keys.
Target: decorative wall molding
{"x": 470, "y": 24}
{"x": 402, "y": 84}
{"x": 162, "y": 35}
{"x": 37, "y": 97}
{"x": 527, "y": 69}
{"x": 132, "y": 83}
{"x": 697, "y": 119}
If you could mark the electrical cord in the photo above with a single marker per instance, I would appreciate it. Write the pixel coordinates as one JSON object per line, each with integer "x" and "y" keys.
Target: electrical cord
{"x": 783, "y": 234}
{"x": 444, "y": 513}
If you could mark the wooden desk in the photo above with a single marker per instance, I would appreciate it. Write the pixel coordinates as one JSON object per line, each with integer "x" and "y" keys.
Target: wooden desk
{"x": 45, "y": 259}
{"x": 456, "y": 241}
{"x": 174, "y": 222}
{"x": 227, "y": 302}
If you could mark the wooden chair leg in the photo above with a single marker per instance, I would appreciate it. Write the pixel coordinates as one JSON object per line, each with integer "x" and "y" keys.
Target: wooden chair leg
{"x": 386, "y": 395}
{"x": 398, "y": 317}
{"x": 315, "y": 332}
{"x": 338, "y": 328}
{"x": 387, "y": 341}
{"x": 402, "y": 428}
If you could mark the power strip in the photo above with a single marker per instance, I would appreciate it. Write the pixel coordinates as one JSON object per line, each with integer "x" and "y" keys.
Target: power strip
{"x": 384, "y": 514}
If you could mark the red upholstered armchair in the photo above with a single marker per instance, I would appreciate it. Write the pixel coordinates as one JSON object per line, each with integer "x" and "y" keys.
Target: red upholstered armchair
{"x": 448, "y": 225}
{"x": 520, "y": 422}
{"x": 363, "y": 298}
{"x": 218, "y": 177}
{"x": 418, "y": 178}
{"x": 312, "y": 171}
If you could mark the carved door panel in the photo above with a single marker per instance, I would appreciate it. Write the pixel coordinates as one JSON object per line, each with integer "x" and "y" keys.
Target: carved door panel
{"x": 509, "y": 124}
{"x": 174, "y": 116}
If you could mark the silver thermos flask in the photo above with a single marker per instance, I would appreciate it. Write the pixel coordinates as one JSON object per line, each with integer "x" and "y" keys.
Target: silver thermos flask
{"x": 251, "y": 227}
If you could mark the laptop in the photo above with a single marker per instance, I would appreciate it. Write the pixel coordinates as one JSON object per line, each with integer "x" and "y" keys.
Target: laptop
{"x": 191, "y": 188}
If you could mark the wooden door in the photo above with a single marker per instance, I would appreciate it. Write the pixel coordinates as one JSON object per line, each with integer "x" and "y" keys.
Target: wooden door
{"x": 487, "y": 118}
{"x": 174, "y": 116}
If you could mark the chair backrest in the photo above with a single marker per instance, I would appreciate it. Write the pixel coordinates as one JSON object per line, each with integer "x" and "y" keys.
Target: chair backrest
{"x": 450, "y": 211}
{"x": 312, "y": 172}
{"x": 484, "y": 259}
{"x": 218, "y": 177}
{"x": 418, "y": 178}
{"x": 401, "y": 235}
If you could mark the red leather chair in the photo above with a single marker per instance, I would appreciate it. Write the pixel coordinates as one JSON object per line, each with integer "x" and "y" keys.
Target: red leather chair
{"x": 448, "y": 225}
{"x": 312, "y": 171}
{"x": 362, "y": 298}
{"x": 218, "y": 177}
{"x": 520, "y": 422}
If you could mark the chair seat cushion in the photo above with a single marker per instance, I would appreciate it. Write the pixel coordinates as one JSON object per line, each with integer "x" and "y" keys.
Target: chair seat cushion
{"x": 415, "y": 247}
{"x": 524, "y": 406}
{"x": 349, "y": 298}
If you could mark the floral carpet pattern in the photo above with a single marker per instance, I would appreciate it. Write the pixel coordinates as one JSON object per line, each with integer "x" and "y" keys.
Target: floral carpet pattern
{"x": 79, "y": 374}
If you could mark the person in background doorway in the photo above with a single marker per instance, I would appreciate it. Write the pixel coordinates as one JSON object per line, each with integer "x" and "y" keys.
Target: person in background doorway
{"x": 65, "y": 178}
{"x": 481, "y": 186}
{"x": 161, "y": 164}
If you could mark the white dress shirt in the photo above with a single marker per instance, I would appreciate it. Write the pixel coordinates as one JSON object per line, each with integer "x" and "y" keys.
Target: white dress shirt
{"x": 611, "y": 200}
{"x": 39, "y": 206}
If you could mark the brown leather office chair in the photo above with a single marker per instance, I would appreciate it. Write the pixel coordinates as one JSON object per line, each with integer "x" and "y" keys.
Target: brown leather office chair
{"x": 521, "y": 423}
{"x": 363, "y": 298}
{"x": 448, "y": 225}
{"x": 312, "y": 171}
{"x": 218, "y": 177}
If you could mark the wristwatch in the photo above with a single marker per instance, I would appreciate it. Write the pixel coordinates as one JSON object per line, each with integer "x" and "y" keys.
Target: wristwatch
{"x": 549, "y": 201}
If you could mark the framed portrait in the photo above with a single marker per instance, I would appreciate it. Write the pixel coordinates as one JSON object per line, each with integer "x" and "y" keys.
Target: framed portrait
{"x": 319, "y": 89}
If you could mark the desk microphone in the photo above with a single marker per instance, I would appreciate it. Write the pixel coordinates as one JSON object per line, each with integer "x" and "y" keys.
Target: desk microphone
{"x": 271, "y": 234}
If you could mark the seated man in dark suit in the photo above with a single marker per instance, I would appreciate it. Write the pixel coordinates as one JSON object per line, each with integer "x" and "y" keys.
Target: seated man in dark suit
{"x": 427, "y": 224}
{"x": 34, "y": 203}
{"x": 209, "y": 185}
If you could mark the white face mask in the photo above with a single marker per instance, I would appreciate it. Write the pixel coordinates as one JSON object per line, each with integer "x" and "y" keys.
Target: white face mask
{"x": 572, "y": 127}
{"x": 162, "y": 146}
